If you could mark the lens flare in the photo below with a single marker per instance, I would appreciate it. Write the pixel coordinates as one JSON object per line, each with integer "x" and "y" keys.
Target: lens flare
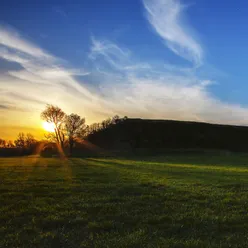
{"x": 49, "y": 127}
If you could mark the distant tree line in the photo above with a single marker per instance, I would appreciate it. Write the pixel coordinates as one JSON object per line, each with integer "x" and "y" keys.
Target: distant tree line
{"x": 23, "y": 141}
{"x": 71, "y": 134}
{"x": 105, "y": 124}
{"x": 24, "y": 144}
{"x": 6, "y": 143}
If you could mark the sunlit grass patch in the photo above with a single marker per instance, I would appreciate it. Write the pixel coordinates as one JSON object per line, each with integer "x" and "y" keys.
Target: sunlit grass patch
{"x": 170, "y": 201}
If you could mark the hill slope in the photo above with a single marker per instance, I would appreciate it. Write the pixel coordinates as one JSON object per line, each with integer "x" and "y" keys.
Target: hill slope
{"x": 168, "y": 134}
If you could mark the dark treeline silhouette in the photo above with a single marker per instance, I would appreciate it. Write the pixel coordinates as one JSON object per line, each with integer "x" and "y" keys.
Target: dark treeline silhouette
{"x": 6, "y": 143}
{"x": 105, "y": 124}
{"x": 24, "y": 144}
{"x": 72, "y": 136}
{"x": 133, "y": 135}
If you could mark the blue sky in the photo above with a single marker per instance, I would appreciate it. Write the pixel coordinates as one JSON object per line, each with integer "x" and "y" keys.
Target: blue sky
{"x": 171, "y": 59}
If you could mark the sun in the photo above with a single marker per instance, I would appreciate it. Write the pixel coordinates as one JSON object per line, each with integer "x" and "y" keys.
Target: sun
{"x": 49, "y": 127}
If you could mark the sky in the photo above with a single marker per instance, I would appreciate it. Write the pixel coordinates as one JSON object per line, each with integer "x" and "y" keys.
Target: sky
{"x": 159, "y": 59}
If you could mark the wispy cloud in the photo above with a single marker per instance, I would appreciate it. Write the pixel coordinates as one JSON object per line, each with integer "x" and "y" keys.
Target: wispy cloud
{"x": 162, "y": 91}
{"x": 165, "y": 16}
{"x": 117, "y": 57}
{"x": 43, "y": 78}
{"x": 125, "y": 86}
{"x": 12, "y": 39}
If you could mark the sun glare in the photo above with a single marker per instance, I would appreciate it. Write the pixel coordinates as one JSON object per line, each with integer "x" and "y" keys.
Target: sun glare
{"x": 48, "y": 126}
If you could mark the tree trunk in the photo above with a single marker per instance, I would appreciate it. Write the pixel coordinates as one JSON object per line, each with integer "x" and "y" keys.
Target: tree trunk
{"x": 71, "y": 143}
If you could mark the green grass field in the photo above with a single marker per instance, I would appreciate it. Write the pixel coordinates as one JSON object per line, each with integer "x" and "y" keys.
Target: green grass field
{"x": 170, "y": 201}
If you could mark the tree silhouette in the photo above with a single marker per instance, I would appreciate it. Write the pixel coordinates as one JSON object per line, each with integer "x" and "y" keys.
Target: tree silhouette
{"x": 20, "y": 141}
{"x": 9, "y": 144}
{"x": 106, "y": 123}
{"x": 51, "y": 137}
{"x": 30, "y": 141}
{"x": 55, "y": 115}
{"x": 75, "y": 127}
{"x": 3, "y": 143}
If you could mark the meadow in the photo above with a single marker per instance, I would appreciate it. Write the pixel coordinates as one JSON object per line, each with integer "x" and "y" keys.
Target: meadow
{"x": 164, "y": 201}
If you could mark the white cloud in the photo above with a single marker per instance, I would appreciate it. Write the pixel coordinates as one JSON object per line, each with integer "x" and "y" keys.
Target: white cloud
{"x": 107, "y": 47}
{"x": 42, "y": 79}
{"x": 115, "y": 56}
{"x": 12, "y": 39}
{"x": 125, "y": 87}
{"x": 166, "y": 91}
{"x": 165, "y": 16}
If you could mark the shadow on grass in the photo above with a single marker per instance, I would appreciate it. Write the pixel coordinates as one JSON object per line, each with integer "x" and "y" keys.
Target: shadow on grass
{"x": 226, "y": 159}
{"x": 195, "y": 174}
{"x": 117, "y": 203}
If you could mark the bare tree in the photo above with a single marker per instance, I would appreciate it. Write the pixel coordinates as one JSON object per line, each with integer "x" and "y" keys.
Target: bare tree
{"x": 30, "y": 141}
{"x": 75, "y": 127}
{"x": 3, "y": 143}
{"x": 106, "y": 123}
{"x": 10, "y": 144}
{"x": 20, "y": 141}
{"x": 86, "y": 132}
{"x": 51, "y": 137}
{"x": 55, "y": 115}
